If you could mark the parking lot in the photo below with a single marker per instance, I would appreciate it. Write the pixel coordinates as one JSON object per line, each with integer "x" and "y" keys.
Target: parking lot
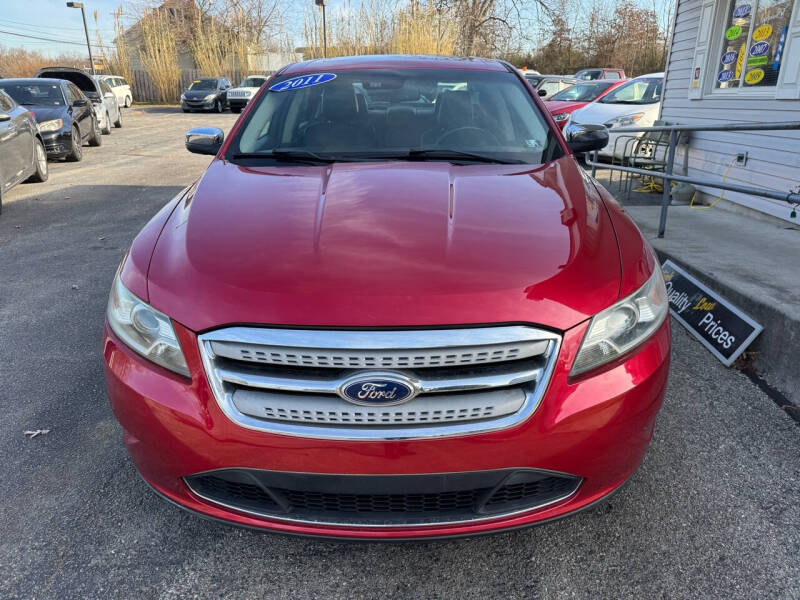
{"x": 714, "y": 510}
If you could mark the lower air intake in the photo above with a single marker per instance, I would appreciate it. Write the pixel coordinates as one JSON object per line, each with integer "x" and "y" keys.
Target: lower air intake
{"x": 383, "y": 500}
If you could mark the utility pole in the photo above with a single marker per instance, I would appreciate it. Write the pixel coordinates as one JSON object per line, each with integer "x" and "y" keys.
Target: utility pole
{"x": 321, "y": 3}
{"x": 85, "y": 29}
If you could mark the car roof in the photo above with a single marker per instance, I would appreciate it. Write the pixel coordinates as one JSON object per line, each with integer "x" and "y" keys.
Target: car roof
{"x": 395, "y": 61}
{"x": 31, "y": 80}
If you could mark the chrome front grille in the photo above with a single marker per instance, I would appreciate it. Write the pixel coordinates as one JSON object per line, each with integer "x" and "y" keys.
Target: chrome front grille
{"x": 467, "y": 380}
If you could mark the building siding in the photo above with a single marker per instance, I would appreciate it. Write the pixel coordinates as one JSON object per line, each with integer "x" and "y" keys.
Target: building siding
{"x": 773, "y": 156}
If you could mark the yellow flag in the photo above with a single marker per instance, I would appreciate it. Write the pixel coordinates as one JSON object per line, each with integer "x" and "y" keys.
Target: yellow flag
{"x": 739, "y": 62}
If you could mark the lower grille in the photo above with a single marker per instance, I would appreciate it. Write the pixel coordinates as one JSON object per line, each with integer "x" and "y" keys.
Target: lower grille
{"x": 383, "y": 500}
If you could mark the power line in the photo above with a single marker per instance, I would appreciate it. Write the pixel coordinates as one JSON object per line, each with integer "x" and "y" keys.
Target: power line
{"x": 48, "y": 27}
{"x": 35, "y": 37}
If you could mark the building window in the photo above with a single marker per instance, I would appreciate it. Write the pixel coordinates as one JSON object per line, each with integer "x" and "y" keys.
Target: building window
{"x": 753, "y": 39}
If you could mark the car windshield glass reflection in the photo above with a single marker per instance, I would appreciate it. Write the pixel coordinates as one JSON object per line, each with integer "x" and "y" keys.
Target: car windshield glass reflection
{"x": 34, "y": 94}
{"x": 583, "y": 92}
{"x": 638, "y": 91}
{"x": 204, "y": 84}
{"x": 460, "y": 116}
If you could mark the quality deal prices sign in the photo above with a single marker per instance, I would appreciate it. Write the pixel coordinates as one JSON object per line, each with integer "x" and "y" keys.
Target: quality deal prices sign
{"x": 721, "y": 327}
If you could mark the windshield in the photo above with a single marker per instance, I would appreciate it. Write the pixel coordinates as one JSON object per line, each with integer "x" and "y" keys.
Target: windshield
{"x": 204, "y": 84}
{"x": 582, "y": 92}
{"x": 34, "y": 94}
{"x": 588, "y": 74}
{"x": 402, "y": 114}
{"x": 252, "y": 82}
{"x": 534, "y": 81}
{"x": 639, "y": 91}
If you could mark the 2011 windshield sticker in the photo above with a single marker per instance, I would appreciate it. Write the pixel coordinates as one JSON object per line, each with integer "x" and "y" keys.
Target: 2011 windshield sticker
{"x": 295, "y": 83}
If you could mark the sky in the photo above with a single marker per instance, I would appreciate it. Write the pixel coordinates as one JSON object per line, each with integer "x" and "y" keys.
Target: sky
{"x": 23, "y": 22}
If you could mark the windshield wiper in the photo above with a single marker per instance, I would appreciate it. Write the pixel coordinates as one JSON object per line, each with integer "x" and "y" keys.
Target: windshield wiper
{"x": 448, "y": 155}
{"x": 303, "y": 156}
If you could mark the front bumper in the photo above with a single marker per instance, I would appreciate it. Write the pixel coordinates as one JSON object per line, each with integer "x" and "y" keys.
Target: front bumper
{"x": 596, "y": 428}
{"x": 198, "y": 104}
{"x": 57, "y": 144}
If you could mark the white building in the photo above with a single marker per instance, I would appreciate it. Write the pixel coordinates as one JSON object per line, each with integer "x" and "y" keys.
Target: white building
{"x": 738, "y": 61}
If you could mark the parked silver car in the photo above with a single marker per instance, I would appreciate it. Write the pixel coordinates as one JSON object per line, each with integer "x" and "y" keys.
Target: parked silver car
{"x": 104, "y": 102}
{"x": 22, "y": 154}
{"x": 549, "y": 85}
{"x": 121, "y": 89}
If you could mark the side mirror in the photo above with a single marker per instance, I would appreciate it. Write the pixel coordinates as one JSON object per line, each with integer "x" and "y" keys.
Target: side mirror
{"x": 109, "y": 95}
{"x": 81, "y": 102}
{"x": 4, "y": 117}
{"x": 542, "y": 92}
{"x": 586, "y": 138}
{"x": 204, "y": 140}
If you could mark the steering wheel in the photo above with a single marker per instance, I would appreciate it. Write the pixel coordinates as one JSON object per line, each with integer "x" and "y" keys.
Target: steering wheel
{"x": 468, "y": 136}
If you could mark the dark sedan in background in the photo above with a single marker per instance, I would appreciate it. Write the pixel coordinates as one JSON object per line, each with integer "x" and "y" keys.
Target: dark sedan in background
{"x": 22, "y": 155}
{"x": 206, "y": 93}
{"x": 64, "y": 114}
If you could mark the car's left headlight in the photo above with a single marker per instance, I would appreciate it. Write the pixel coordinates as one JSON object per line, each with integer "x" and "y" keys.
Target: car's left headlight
{"x": 53, "y": 125}
{"x": 211, "y": 96}
{"x": 623, "y": 326}
{"x": 144, "y": 329}
{"x": 561, "y": 117}
{"x": 624, "y": 121}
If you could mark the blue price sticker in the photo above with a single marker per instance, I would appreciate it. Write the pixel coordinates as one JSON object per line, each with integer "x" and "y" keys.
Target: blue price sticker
{"x": 303, "y": 81}
{"x": 729, "y": 58}
{"x": 741, "y": 11}
{"x": 724, "y": 76}
{"x": 759, "y": 49}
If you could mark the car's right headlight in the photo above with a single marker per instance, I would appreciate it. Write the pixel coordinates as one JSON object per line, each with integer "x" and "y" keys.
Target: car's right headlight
{"x": 623, "y": 326}
{"x": 53, "y": 125}
{"x": 561, "y": 117}
{"x": 183, "y": 96}
{"x": 144, "y": 329}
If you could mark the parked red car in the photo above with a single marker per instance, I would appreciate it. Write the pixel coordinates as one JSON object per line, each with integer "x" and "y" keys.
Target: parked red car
{"x": 563, "y": 104}
{"x": 393, "y": 306}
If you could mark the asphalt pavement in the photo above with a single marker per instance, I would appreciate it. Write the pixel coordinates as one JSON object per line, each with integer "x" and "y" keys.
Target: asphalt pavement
{"x": 713, "y": 512}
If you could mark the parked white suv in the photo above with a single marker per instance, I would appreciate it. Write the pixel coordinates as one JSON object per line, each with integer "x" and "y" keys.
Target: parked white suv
{"x": 120, "y": 88}
{"x": 238, "y": 97}
{"x": 633, "y": 104}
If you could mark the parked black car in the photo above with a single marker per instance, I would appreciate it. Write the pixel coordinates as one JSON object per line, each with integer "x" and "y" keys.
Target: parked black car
{"x": 22, "y": 153}
{"x": 206, "y": 93}
{"x": 106, "y": 108}
{"x": 64, "y": 114}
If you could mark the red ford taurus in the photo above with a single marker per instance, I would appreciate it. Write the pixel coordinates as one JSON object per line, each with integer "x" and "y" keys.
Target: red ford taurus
{"x": 564, "y": 103}
{"x": 393, "y": 306}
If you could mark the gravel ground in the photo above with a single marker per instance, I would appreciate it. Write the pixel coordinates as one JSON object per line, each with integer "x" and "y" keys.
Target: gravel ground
{"x": 714, "y": 511}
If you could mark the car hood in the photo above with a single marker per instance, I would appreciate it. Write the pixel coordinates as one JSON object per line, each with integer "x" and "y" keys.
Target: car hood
{"x": 47, "y": 113}
{"x": 198, "y": 94}
{"x": 562, "y": 106}
{"x": 387, "y": 244}
{"x": 598, "y": 113}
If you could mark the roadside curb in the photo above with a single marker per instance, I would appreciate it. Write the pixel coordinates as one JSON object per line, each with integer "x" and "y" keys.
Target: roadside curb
{"x": 769, "y": 357}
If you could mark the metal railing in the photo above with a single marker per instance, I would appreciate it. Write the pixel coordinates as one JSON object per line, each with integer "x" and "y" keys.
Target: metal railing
{"x": 668, "y": 176}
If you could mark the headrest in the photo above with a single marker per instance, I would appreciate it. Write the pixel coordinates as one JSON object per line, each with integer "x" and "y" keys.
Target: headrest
{"x": 454, "y": 109}
{"x": 339, "y": 104}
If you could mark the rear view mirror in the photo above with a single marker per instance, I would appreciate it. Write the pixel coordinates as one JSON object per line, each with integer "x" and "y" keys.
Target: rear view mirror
{"x": 81, "y": 102}
{"x": 586, "y": 138}
{"x": 204, "y": 140}
{"x": 542, "y": 92}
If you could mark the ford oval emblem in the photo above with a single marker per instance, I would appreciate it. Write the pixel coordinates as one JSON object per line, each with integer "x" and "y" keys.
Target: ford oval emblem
{"x": 378, "y": 389}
